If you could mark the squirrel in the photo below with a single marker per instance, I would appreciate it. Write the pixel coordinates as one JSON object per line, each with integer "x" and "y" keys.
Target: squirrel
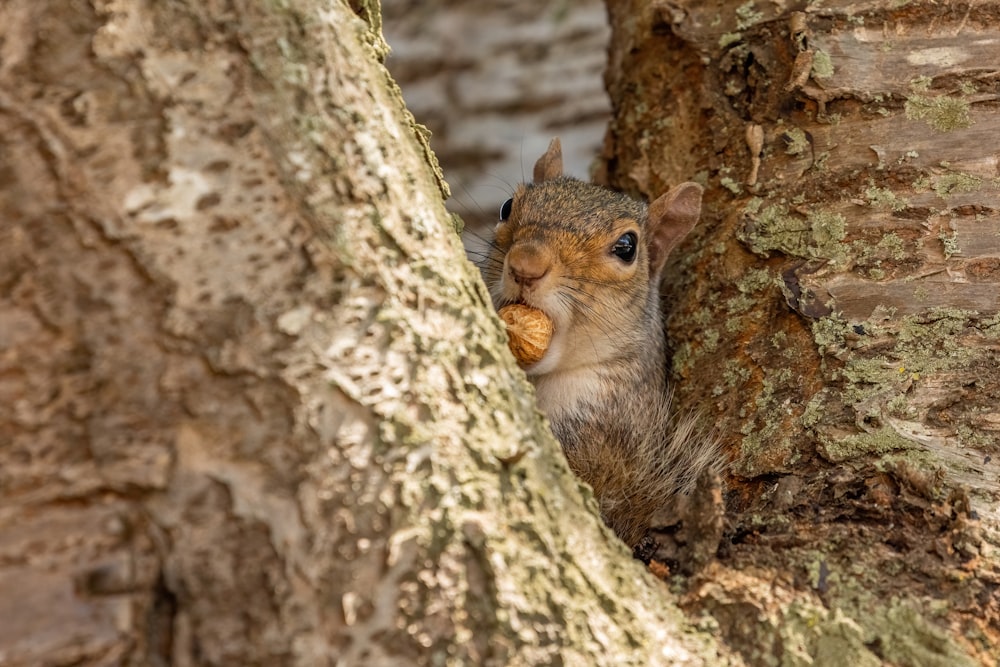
{"x": 591, "y": 259}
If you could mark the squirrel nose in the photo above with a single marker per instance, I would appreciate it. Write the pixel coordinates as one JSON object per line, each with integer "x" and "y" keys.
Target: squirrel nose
{"x": 527, "y": 263}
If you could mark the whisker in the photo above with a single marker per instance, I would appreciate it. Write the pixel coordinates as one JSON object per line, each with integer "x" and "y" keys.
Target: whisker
{"x": 593, "y": 310}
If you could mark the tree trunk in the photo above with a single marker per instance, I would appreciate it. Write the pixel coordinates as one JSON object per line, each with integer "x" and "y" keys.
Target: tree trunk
{"x": 254, "y": 406}
{"x": 838, "y": 314}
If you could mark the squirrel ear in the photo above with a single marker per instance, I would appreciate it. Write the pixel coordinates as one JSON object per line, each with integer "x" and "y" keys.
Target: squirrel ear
{"x": 550, "y": 165}
{"x": 671, "y": 217}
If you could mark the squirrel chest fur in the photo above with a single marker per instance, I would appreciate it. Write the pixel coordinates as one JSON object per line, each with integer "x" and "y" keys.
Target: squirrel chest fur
{"x": 591, "y": 260}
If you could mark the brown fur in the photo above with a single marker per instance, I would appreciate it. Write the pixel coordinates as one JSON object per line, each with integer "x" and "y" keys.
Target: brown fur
{"x": 603, "y": 382}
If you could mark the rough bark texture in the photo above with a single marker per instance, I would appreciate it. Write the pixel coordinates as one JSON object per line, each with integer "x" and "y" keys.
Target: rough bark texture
{"x": 838, "y": 315}
{"x": 254, "y": 406}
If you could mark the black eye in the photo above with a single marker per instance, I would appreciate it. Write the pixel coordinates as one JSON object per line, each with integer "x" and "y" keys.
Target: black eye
{"x": 625, "y": 247}
{"x": 505, "y": 209}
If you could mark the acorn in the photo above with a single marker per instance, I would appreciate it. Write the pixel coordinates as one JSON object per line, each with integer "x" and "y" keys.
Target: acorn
{"x": 529, "y": 332}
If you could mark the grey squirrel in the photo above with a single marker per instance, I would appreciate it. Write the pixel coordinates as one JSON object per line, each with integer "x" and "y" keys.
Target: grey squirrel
{"x": 591, "y": 259}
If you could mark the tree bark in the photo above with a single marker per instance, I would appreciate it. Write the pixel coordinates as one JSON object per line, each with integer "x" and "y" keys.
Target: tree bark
{"x": 837, "y": 316}
{"x": 254, "y": 405}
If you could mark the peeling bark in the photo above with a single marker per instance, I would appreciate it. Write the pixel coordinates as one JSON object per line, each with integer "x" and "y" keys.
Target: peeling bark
{"x": 838, "y": 315}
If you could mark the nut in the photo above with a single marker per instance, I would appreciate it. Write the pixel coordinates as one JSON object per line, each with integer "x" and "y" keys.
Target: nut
{"x": 529, "y": 332}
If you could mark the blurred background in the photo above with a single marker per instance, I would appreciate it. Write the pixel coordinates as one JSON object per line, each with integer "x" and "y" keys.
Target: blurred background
{"x": 494, "y": 81}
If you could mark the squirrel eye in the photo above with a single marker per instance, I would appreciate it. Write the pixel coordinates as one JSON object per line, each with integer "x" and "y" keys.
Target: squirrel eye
{"x": 625, "y": 247}
{"x": 505, "y": 209}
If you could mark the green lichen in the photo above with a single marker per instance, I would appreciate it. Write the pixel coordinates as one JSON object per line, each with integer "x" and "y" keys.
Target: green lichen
{"x": 797, "y": 141}
{"x": 871, "y": 378}
{"x": 921, "y": 84}
{"x": 740, "y": 303}
{"x": 968, "y": 88}
{"x": 922, "y": 183}
{"x": 972, "y": 437}
{"x": 930, "y": 342}
{"x": 755, "y": 280}
{"x": 828, "y": 230}
{"x": 747, "y": 15}
{"x": 701, "y": 317}
{"x": 944, "y": 114}
{"x": 815, "y": 409}
{"x": 885, "y": 198}
{"x": 877, "y": 324}
{"x": 683, "y": 359}
{"x": 899, "y": 406}
{"x": 735, "y": 373}
{"x": 815, "y": 566}
{"x": 991, "y": 327}
{"x": 822, "y": 67}
{"x": 763, "y": 432}
{"x": 869, "y": 258}
{"x": 766, "y": 442}
{"x": 731, "y": 185}
{"x": 876, "y": 382}
{"x": 857, "y": 618}
{"x": 804, "y": 633}
{"x": 949, "y": 242}
{"x": 819, "y": 236}
{"x": 830, "y": 334}
{"x": 711, "y": 340}
{"x": 956, "y": 182}
{"x": 882, "y": 441}
{"x": 867, "y": 370}
{"x": 893, "y": 244}
{"x": 903, "y": 630}
{"x": 729, "y": 38}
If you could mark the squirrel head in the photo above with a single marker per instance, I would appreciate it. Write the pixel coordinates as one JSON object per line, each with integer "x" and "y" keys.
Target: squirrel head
{"x": 589, "y": 258}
